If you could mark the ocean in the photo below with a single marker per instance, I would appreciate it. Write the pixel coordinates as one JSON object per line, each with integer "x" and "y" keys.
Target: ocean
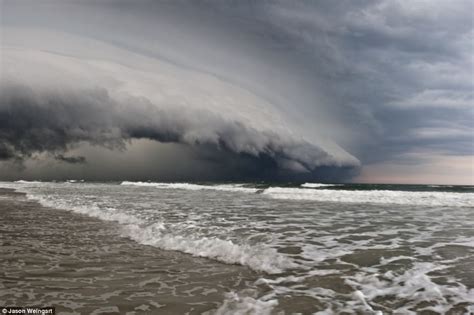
{"x": 248, "y": 248}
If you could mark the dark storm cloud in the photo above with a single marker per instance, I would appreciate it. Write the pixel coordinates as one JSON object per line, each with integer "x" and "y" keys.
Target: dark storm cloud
{"x": 399, "y": 66}
{"x": 71, "y": 159}
{"x": 54, "y": 122}
{"x": 389, "y": 69}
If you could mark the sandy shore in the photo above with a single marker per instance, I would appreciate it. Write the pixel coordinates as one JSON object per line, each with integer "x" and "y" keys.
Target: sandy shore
{"x": 81, "y": 265}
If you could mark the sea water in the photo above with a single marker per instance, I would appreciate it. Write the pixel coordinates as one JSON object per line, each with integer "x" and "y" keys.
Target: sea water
{"x": 311, "y": 247}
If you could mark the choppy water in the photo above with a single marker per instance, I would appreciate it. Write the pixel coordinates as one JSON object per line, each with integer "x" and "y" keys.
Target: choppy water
{"x": 312, "y": 247}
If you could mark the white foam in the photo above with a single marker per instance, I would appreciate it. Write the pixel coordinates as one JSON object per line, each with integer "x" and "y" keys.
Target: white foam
{"x": 188, "y": 186}
{"x": 374, "y": 196}
{"x": 385, "y": 261}
{"x": 259, "y": 258}
{"x": 27, "y": 182}
{"x": 103, "y": 213}
{"x": 242, "y": 305}
{"x": 317, "y": 185}
{"x": 414, "y": 285}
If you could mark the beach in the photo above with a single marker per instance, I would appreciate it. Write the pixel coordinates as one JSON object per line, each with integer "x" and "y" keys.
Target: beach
{"x": 80, "y": 265}
{"x": 186, "y": 248}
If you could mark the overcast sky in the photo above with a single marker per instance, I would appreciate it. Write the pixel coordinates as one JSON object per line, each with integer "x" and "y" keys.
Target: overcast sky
{"x": 372, "y": 91}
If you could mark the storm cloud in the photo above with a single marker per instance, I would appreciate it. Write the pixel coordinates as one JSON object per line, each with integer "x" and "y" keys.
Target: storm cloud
{"x": 300, "y": 87}
{"x": 32, "y": 122}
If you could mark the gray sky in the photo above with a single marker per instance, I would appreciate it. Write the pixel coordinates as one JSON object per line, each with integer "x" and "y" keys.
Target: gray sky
{"x": 374, "y": 91}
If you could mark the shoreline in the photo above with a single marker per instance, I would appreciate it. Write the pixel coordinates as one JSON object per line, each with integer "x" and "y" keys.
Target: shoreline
{"x": 107, "y": 253}
{"x": 81, "y": 264}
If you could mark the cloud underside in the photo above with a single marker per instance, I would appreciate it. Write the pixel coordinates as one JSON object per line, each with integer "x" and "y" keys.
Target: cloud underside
{"x": 33, "y": 122}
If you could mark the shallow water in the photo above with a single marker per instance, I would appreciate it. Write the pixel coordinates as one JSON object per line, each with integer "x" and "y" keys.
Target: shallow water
{"x": 81, "y": 265}
{"x": 342, "y": 248}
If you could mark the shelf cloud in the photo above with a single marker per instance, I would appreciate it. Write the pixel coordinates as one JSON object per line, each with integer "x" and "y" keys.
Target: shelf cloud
{"x": 299, "y": 90}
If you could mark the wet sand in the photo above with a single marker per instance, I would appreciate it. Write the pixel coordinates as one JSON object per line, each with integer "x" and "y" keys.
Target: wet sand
{"x": 81, "y": 265}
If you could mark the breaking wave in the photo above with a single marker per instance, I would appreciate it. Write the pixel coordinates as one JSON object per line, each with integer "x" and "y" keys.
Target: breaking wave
{"x": 425, "y": 198}
{"x": 317, "y": 185}
{"x": 27, "y": 182}
{"x": 187, "y": 186}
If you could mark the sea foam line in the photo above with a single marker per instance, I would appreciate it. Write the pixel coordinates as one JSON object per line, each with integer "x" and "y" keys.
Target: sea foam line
{"x": 188, "y": 186}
